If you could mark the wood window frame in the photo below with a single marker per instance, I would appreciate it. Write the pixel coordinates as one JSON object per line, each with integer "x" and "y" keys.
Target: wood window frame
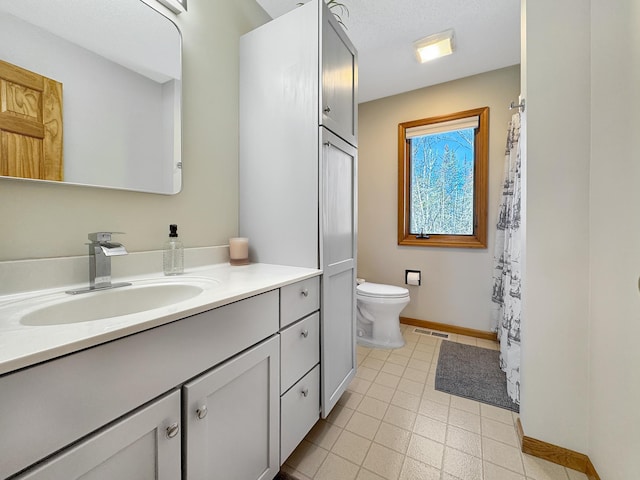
{"x": 478, "y": 239}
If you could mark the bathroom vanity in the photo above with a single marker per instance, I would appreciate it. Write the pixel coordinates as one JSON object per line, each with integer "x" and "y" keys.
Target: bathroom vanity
{"x": 208, "y": 387}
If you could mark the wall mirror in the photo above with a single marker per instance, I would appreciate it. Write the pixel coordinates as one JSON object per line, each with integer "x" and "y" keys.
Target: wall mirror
{"x": 118, "y": 67}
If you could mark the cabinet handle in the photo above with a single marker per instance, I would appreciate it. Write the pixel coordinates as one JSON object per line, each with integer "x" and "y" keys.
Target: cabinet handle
{"x": 304, "y": 292}
{"x": 172, "y": 430}
{"x": 304, "y": 333}
{"x": 202, "y": 412}
{"x": 304, "y": 392}
{"x": 327, "y": 109}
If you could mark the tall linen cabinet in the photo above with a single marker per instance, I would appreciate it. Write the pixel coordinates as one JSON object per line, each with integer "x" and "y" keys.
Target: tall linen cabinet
{"x": 298, "y": 167}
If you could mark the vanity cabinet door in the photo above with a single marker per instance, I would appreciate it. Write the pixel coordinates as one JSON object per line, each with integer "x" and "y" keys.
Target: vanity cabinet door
{"x": 232, "y": 418}
{"x": 338, "y": 255}
{"x": 143, "y": 446}
{"x": 338, "y": 107}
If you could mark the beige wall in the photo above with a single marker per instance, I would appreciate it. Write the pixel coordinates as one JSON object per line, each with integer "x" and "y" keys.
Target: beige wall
{"x": 40, "y": 220}
{"x": 614, "y": 360}
{"x": 555, "y": 342}
{"x": 580, "y": 376}
{"x": 456, "y": 283}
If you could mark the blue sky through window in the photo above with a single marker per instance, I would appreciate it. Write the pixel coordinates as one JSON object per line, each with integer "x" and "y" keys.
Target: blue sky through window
{"x": 442, "y": 183}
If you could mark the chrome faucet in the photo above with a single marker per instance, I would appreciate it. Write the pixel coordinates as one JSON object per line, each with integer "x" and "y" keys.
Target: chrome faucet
{"x": 101, "y": 249}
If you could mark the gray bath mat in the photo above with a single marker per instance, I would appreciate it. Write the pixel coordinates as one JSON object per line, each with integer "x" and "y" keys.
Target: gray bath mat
{"x": 473, "y": 372}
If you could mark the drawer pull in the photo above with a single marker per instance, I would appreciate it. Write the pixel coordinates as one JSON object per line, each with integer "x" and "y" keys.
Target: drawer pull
{"x": 304, "y": 392}
{"x": 172, "y": 430}
{"x": 327, "y": 109}
{"x": 202, "y": 412}
{"x": 304, "y": 333}
{"x": 304, "y": 292}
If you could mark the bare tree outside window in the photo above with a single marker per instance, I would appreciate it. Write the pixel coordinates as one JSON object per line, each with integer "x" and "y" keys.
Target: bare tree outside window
{"x": 442, "y": 185}
{"x": 442, "y": 169}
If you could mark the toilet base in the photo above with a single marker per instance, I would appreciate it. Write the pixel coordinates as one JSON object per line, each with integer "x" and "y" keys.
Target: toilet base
{"x": 371, "y": 343}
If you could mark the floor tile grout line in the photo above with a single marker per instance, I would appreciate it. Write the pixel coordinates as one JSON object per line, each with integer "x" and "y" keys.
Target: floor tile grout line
{"x": 372, "y": 440}
{"x": 430, "y": 364}
{"x": 481, "y": 445}
{"x": 524, "y": 469}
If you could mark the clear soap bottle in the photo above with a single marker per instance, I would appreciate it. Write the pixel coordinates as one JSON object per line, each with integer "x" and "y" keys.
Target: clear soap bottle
{"x": 173, "y": 255}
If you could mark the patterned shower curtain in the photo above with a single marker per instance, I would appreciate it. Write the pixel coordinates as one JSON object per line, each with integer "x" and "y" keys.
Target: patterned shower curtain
{"x": 507, "y": 266}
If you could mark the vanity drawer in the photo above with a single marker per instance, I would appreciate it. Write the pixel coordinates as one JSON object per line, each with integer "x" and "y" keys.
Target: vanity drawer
{"x": 299, "y": 350}
{"x": 298, "y": 300}
{"x": 299, "y": 411}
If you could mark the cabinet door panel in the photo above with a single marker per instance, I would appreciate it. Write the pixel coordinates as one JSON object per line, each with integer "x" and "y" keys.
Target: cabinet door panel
{"x": 338, "y": 346}
{"x": 137, "y": 447}
{"x": 338, "y": 104}
{"x": 338, "y": 256}
{"x": 237, "y": 437}
{"x": 338, "y": 205}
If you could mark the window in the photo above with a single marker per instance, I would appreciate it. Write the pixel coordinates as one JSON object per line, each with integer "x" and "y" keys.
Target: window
{"x": 442, "y": 180}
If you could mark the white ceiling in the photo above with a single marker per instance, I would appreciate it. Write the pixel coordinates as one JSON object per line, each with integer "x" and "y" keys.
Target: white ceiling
{"x": 487, "y": 37}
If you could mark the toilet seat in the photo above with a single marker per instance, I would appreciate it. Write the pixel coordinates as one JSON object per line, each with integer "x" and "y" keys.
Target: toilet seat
{"x": 377, "y": 290}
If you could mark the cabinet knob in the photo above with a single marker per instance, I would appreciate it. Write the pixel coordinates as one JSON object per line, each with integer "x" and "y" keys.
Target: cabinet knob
{"x": 304, "y": 292}
{"x": 304, "y": 333}
{"x": 327, "y": 109}
{"x": 304, "y": 392}
{"x": 172, "y": 430}
{"x": 202, "y": 412}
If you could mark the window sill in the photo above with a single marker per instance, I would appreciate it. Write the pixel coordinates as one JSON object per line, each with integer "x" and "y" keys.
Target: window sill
{"x": 451, "y": 241}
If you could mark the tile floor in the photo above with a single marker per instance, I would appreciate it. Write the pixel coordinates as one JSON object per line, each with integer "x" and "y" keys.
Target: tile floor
{"x": 392, "y": 424}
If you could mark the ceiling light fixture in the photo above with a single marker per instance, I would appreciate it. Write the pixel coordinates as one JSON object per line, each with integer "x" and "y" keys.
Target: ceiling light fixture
{"x": 434, "y": 46}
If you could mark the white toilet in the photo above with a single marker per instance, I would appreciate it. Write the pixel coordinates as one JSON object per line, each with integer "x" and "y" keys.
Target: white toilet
{"x": 378, "y": 316}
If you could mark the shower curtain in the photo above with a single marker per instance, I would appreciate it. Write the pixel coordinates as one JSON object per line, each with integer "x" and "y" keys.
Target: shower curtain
{"x": 507, "y": 266}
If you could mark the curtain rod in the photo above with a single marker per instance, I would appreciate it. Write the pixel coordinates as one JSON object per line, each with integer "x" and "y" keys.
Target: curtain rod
{"x": 519, "y": 106}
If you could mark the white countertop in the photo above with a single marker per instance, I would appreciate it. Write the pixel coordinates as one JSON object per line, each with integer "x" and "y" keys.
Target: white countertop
{"x": 22, "y": 345}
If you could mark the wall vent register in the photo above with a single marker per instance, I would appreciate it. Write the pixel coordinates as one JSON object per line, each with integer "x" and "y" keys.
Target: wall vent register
{"x": 422, "y": 331}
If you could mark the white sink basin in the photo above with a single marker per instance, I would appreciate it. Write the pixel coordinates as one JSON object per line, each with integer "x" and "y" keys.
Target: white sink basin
{"x": 136, "y": 298}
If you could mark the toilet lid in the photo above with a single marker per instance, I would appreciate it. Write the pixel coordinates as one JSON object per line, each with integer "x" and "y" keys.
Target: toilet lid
{"x": 379, "y": 290}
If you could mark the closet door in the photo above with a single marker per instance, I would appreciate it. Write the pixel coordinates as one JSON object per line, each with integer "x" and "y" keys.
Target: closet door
{"x": 338, "y": 260}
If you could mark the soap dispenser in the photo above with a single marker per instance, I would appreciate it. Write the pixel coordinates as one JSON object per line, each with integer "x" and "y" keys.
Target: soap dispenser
{"x": 173, "y": 255}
